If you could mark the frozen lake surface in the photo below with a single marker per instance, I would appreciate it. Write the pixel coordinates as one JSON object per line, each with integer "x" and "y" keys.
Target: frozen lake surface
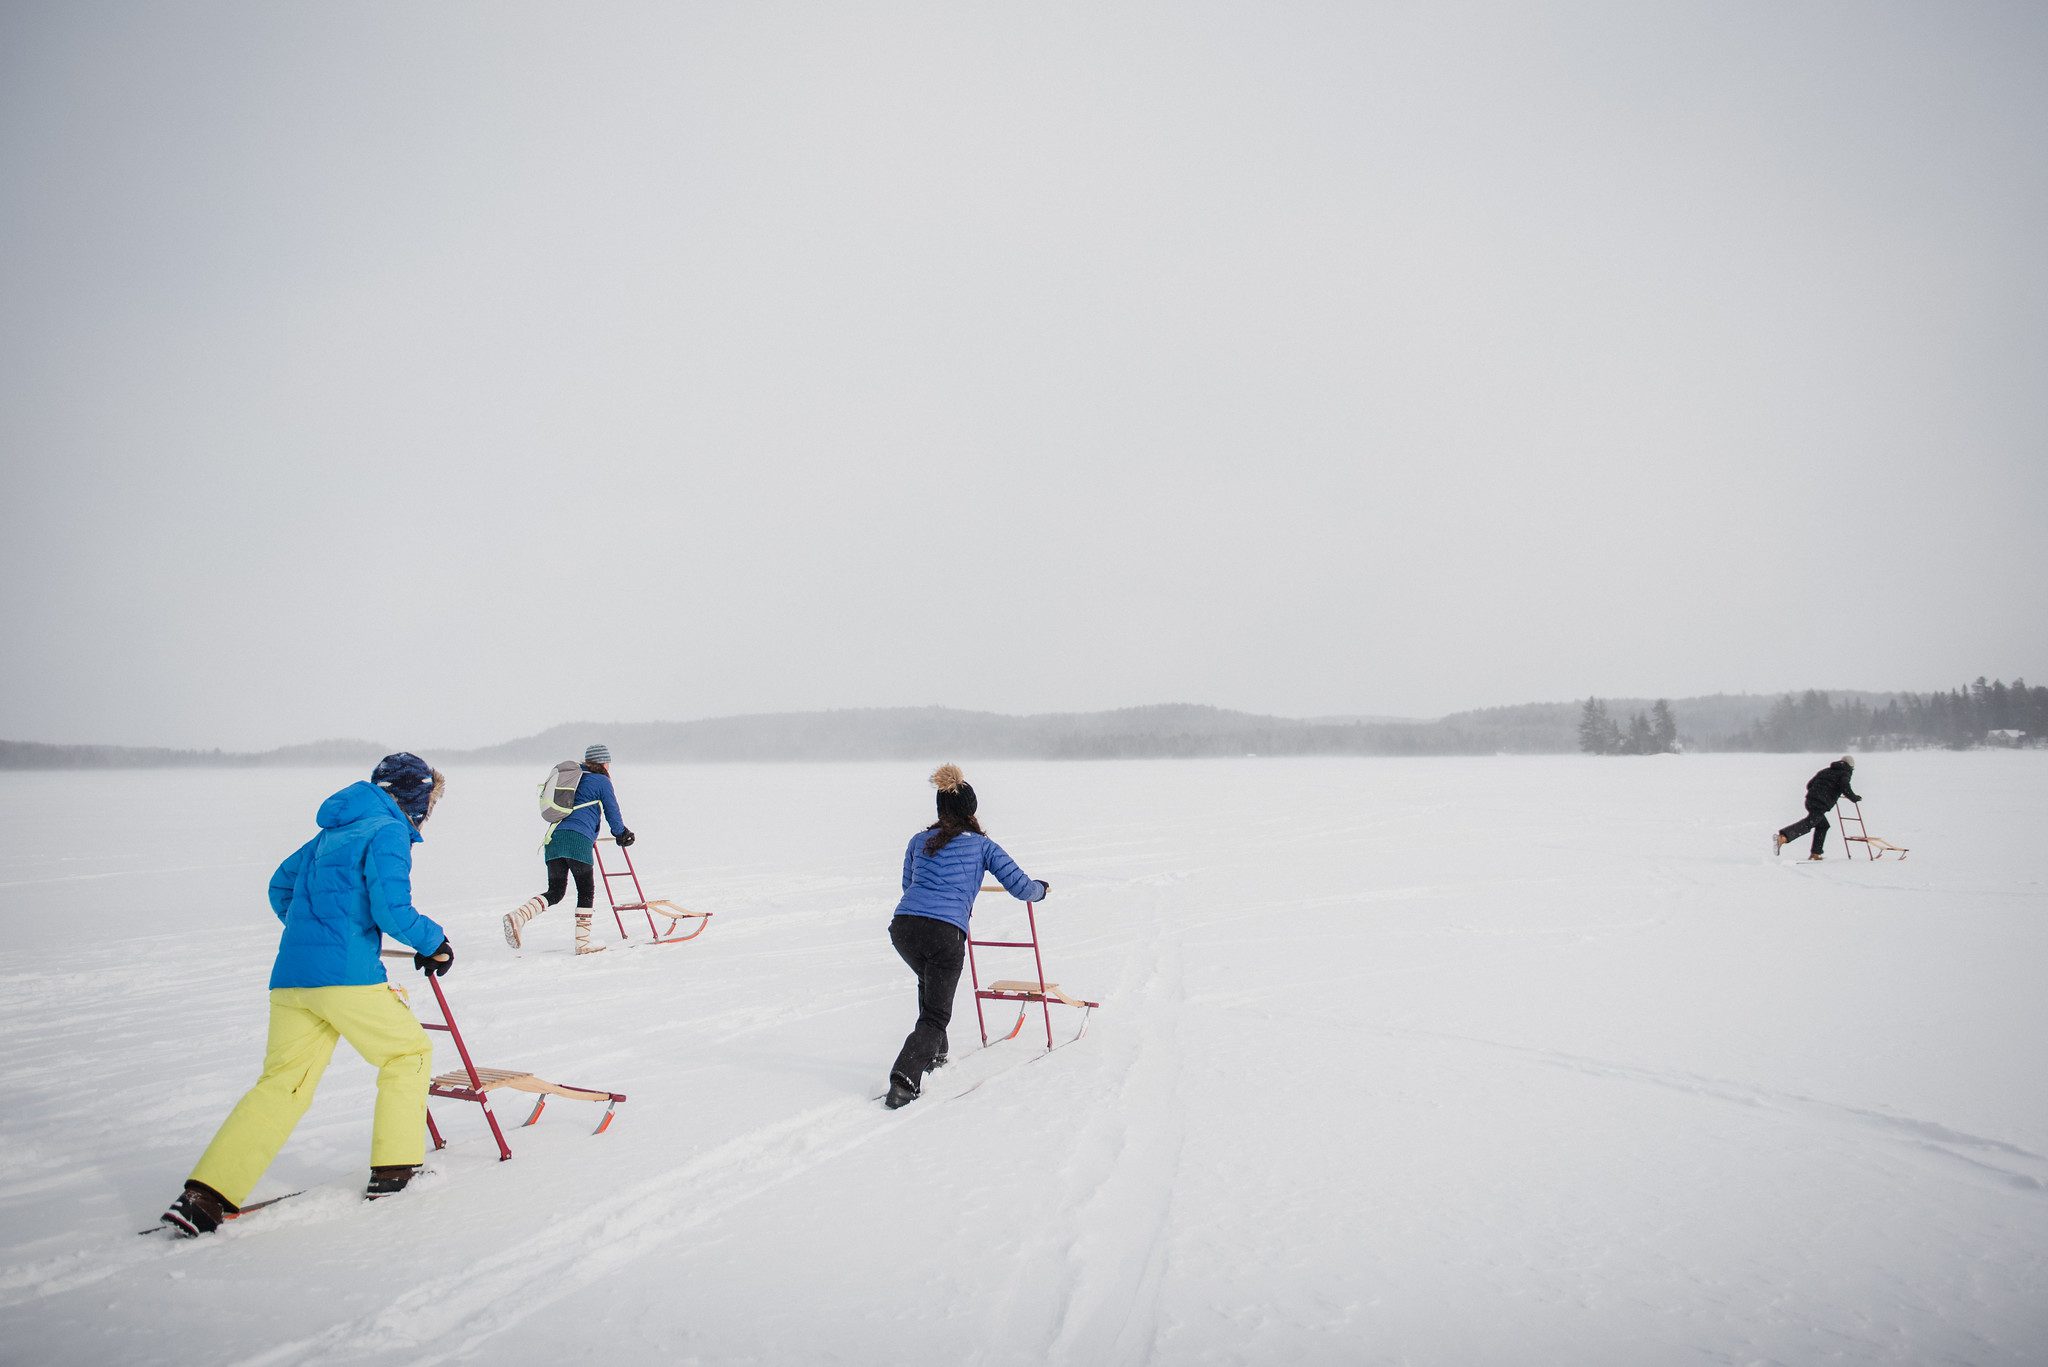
{"x": 1442, "y": 1061}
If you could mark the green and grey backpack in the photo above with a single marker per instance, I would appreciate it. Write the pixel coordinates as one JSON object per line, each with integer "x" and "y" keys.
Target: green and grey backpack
{"x": 558, "y": 791}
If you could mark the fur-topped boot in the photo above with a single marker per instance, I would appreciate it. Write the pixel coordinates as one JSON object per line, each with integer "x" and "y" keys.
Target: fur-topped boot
{"x": 583, "y": 945}
{"x": 520, "y": 915}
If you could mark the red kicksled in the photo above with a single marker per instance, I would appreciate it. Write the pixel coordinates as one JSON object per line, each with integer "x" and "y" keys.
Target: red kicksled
{"x": 1018, "y": 990}
{"x": 669, "y": 934}
{"x": 471, "y": 1083}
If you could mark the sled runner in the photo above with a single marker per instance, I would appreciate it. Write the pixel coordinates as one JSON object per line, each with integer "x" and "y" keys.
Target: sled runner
{"x": 1872, "y": 845}
{"x": 669, "y": 934}
{"x": 471, "y": 1083}
{"x": 1019, "y": 990}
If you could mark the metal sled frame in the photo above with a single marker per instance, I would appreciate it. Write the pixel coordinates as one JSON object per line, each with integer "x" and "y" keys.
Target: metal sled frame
{"x": 471, "y": 1083}
{"x": 1017, "y": 990}
{"x": 1877, "y": 849}
{"x": 642, "y": 903}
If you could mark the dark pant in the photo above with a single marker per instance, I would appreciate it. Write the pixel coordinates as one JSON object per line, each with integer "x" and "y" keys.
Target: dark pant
{"x": 1815, "y": 820}
{"x": 558, "y": 881}
{"x": 935, "y": 951}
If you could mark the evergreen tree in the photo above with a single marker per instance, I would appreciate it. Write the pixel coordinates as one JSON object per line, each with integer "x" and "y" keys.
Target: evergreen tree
{"x": 1598, "y": 733}
{"x": 1641, "y": 737}
{"x": 1663, "y": 727}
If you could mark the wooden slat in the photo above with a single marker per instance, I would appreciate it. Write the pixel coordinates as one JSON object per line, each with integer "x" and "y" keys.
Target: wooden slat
{"x": 494, "y": 1078}
{"x": 661, "y": 906}
{"x": 1033, "y": 990}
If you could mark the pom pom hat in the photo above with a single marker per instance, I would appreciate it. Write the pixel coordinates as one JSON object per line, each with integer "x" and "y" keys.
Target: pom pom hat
{"x": 956, "y": 795}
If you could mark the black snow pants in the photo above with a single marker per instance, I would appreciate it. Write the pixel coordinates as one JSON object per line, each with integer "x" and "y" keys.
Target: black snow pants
{"x": 935, "y": 950}
{"x": 1815, "y": 820}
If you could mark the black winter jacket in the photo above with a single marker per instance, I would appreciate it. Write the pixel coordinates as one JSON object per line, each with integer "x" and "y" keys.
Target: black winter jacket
{"x": 1828, "y": 787}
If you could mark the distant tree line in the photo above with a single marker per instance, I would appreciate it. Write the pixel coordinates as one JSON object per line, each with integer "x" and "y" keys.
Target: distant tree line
{"x": 22, "y": 754}
{"x": 1646, "y": 733}
{"x": 1811, "y": 721}
{"x": 1985, "y": 712}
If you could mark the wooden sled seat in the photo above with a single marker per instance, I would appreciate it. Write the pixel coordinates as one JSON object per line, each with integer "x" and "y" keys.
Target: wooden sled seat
{"x": 490, "y": 1079}
{"x": 1016, "y": 989}
{"x": 661, "y": 906}
{"x": 1877, "y": 848}
{"x": 456, "y": 1086}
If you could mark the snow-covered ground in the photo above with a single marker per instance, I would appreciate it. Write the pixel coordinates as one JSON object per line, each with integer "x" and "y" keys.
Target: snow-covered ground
{"x": 1444, "y": 1061}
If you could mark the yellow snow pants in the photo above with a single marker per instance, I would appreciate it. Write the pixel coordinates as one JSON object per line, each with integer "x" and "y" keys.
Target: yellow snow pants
{"x": 304, "y": 1024}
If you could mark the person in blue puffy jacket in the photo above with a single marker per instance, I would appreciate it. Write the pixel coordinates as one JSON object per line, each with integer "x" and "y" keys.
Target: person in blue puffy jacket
{"x": 942, "y": 870}
{"x": 571, "y": 847}
{"x": 338, "y": 896}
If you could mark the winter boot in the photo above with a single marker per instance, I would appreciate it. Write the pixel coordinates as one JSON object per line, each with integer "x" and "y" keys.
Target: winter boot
{"x": 519, "y": 916}
{"x": 198, "y": 1210}
{"x": 1778, "y": 842}
{"x": 583, "y": 945}
{"x": 1815, "y": 858}
{"x": 389, "y": 1181}
{"x": 902, "y": 1091}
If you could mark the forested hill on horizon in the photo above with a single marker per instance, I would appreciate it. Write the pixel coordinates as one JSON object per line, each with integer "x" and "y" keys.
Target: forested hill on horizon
{"x": 1770, "y": 722}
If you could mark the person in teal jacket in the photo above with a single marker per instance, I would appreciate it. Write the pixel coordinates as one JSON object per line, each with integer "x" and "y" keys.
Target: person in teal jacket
{"x": 338, "y": 896}
{"x": 942, "y": 870}
{"x": 570, "y": 848}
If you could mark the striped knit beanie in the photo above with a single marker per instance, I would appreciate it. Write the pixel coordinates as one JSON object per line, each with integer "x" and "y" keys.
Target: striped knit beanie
{"x": 598, "y": 754}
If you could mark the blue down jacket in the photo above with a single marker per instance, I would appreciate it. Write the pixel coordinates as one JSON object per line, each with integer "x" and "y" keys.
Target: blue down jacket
{"x": 342, "y": 891}
{"x": 942, "y": 885}
{"x": 592, "y": 788}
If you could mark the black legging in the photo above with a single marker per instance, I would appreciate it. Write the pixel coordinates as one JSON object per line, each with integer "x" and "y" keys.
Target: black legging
{"x": 558, "y": 881}
{"x": 936, "y": 950}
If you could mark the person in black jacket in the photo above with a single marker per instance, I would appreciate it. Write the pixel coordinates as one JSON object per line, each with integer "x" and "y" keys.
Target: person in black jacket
{"x": 1823, "y": 791}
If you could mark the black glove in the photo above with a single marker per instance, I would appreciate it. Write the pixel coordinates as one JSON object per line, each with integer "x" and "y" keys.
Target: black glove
{"x": 625, "y": 838}
{"x": 437, "y": 963}
{"x": 1043, "y": 884}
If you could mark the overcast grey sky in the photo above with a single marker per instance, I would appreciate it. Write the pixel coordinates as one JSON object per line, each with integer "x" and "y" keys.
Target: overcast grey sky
{"x": 437, "y": 373}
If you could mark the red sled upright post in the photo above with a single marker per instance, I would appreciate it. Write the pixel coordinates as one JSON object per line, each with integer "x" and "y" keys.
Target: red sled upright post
{"x": 471, "y": 1083}
{"x": 1018, "y": 990}
{"x": 1846, "y": 812}
{"x": 638, "y": 900}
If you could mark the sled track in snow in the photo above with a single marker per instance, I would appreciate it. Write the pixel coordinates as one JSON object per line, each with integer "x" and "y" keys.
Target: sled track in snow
{"x": 2011, "y": 1166}
{"x": 456, "y": 1314}
{"x": 1109, "y": 1262}
{"x": 1131, "y": 1207}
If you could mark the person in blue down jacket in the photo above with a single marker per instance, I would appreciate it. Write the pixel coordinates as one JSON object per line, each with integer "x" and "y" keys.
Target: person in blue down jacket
{"x": 338, "y": 896}
{"x": 571, "y": 847}
{"x": 942, "y": 869}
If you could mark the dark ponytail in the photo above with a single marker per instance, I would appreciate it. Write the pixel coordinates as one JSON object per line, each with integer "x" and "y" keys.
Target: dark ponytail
{"x": 956, "y": 808}
{"x": 945, "y": 828}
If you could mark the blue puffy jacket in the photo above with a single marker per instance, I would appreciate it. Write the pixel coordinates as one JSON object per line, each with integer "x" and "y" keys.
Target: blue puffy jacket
{"x": 942, "y": 885}
{"x": 342, "y": 891}
{"x": 583, "y": 821}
